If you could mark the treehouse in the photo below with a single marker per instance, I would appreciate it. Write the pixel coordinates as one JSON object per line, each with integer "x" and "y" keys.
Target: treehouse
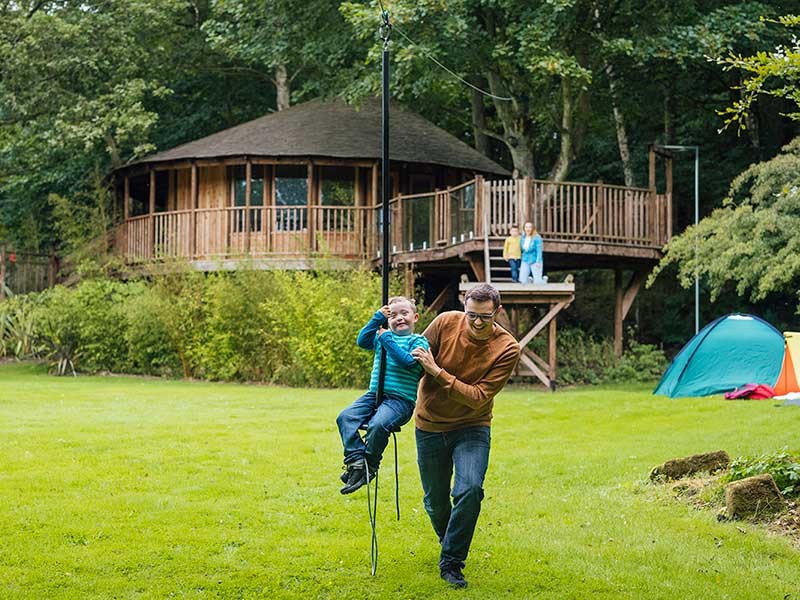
{"x": 302, "y": 185}
{"x": 288, "y": 188}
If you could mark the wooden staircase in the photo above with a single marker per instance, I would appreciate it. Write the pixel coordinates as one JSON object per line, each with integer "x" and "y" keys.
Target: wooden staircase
{"x": 499, "y": 270}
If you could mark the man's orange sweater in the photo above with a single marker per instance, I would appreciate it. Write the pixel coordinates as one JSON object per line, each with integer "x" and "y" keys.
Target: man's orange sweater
{"x": 473, "y": 372}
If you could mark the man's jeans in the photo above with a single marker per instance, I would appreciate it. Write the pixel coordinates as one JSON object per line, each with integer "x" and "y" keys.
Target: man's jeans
{"x": 466, "y": 450}
{"x": 380, "y": 421}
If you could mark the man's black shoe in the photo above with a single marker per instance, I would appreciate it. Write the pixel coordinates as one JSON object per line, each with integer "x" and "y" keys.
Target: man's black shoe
{"x": 454, "y": 577}
{"x": 357, "y": 477}
{"x": 344, "y": 476}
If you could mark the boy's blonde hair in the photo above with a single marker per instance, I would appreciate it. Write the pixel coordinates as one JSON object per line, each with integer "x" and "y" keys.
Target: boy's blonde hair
{"x": 395, "y": 299}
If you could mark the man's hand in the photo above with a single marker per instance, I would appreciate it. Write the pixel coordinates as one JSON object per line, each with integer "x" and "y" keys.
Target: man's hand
{"x": 425, "y": 358}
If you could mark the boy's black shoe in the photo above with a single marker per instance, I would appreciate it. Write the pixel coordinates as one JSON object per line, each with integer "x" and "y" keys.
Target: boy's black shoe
{"x": 345, "y": 475}
{"x": 453, "y": 576}
{"x": 357, "y": 477}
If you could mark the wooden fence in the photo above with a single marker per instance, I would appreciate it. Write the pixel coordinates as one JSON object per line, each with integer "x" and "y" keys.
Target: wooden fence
{"x": 22, "y": 272}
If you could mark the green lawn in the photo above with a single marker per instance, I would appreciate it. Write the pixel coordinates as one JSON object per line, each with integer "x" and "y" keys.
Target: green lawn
{"x": 116, "y": 487}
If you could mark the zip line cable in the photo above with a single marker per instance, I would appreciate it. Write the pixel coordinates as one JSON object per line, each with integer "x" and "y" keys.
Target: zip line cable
{"x": 450, "y": 71}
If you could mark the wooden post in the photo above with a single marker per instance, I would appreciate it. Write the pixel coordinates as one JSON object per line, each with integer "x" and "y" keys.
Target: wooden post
{"x": 194, "y": 197}
{"x": 551, "y": 351}
{"x": 152, "y": 245}
{"x": 126, "y": 209}
{"x": 310, "y": 204}
{"x": 52, "y": 269}
{"x": 618, "y": 316}
{"x": 248, "y": 175}
{"x": 528, "y": 209}
{"x": 2, "y": 272}
{"x": 652, "y": 168}
{"x": 372, "y": 229}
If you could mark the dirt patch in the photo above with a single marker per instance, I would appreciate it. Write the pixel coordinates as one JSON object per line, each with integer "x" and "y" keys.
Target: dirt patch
{"x": 707, "y": 492}
{"x": 708, "y": 462}
{"x": 754, "y": 498}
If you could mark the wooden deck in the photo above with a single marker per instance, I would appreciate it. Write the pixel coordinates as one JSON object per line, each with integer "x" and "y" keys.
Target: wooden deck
{"x": 583, "y": 225}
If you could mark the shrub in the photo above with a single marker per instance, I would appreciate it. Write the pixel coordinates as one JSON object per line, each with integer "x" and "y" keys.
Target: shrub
{"x": 150, "y": 347}
{"x": 783, "y": 466}
{"x": 587, "y": 359}
{"x": 18, "y": 327}
{"x": 640, "y": 362}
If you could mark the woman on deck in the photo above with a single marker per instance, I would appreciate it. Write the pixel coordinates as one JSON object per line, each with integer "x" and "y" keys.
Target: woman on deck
{"x": 531, "y": 246}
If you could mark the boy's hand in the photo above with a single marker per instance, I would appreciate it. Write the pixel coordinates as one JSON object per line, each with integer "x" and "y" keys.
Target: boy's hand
{"x": 381, "y": 331}
{"x": 385, "y": 310}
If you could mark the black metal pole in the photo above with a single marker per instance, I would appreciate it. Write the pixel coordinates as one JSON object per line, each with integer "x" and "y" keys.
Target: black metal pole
{"x": 385, "y": 192}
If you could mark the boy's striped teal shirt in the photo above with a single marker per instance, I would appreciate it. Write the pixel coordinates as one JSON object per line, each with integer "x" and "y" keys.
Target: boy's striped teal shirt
{"x": 403, "y": 372}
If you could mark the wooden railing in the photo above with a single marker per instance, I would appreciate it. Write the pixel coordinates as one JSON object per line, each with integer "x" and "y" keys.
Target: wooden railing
{"x": 569, "y": 212}
{"x": 591, "y": 212}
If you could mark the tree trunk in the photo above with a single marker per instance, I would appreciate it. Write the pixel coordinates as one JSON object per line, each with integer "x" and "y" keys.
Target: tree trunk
{"x": 479, "y": 123}
{"x": 669, "y": 128}
{"x": 515, "y": 135}
{"x": 282, "y": 87}
{"x": 564, "y": 160}
{"x": 622, "y": 132}
{"x": 751, "y": 123}
{"x": 113, "y": 151}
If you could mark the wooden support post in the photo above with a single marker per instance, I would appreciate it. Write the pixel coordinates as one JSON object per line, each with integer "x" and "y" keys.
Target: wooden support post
{"x": 52, "y": 269}
{"x": 478, "y": 267}
{"x": 618, "y": 296}
{"x": 126, "y": 207}
{"x": 527, "y": 211}
{"x": 408, "y": 281}
{"x": 248, "y": 176}
{"x": 623, "y": 300}
{"x": 652, "y": 168}
{"x": 310, "y": 203}
{"x": 152, "y": 245}
{"x": 372, "y": 230}
{"x": 193, "y": 214}
{"x": 551, "y": 351}
{"x": 2, "y": 272}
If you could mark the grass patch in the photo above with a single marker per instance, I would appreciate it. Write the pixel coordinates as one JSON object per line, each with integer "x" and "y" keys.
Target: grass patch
{"x": 143, "y": 488}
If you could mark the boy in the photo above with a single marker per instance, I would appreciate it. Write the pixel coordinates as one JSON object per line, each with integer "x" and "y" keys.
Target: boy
{"x": 512, "y": 252}
{"x": 403, "y": 373}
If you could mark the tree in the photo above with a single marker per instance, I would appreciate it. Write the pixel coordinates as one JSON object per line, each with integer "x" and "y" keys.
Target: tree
{"x": 775, "y": 73}
{"x": 751, "y": 242}
{"x": 282, "y": 41}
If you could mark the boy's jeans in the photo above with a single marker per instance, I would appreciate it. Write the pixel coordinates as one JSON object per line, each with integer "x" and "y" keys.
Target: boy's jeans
{"x": 514, "y": 264}
{"x": 380, "y": 421}
{"x": 437, "y": 454}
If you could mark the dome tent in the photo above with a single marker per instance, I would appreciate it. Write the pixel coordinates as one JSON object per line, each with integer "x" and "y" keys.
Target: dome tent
{"x": 733, "y": 350}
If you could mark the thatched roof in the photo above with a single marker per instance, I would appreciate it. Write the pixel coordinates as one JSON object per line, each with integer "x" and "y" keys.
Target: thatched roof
{"x": 336, "y": 130}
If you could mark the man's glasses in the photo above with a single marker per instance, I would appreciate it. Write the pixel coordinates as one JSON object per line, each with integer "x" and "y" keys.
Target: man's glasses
{"x": 472, "y": 316}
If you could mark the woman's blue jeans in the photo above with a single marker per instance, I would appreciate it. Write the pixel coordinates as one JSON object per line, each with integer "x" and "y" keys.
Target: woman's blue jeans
{"x": 380, "y": 421}
{"x": 465, "y": 451}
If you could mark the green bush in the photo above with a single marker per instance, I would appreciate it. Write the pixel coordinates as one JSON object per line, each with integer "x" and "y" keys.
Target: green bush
{"x": 782, "y": 465}
{"x": 151, "y": 350}
{"x": 640, "y": 362}
{"x": 588, "y": 359}
{"x": 18, "y": 327}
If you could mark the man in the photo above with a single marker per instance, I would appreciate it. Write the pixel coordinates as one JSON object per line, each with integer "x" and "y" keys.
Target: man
{"x": 469, "y": 362}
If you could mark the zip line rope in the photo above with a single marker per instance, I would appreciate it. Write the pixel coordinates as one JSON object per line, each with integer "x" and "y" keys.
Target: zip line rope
{"x": 448, "y": 70}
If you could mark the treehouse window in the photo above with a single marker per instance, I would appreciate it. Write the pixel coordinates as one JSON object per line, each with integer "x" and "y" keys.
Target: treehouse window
{"x": 139, "y": 189}
{"x": 291, "y": 197}
{"x": 162, "y": 191}
{"x": 239, "y": 193}
{"x": 338, "y": 186}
